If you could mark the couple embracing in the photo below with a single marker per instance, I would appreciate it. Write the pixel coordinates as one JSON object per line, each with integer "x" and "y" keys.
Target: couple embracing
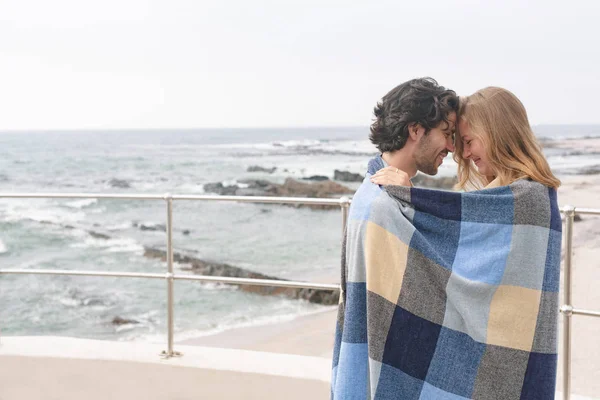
{"x": 450, "y": 294}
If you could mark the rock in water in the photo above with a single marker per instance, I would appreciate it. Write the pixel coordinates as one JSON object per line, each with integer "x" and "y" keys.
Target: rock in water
{"x": 290, "y": 188}
{"x": 592, "y": 170}
{"x": 97, "y": 235}
{"x": 122, "y": 321}
{"x": 119, "y": 183}
{"x": 434, "y": 183}
{"x": 258, "y": 168}
{"x": 316, "y": 178}
{"x": 219, "y": 189}
{"x": 203, "y": 267}
{"x": 346, "y": 176}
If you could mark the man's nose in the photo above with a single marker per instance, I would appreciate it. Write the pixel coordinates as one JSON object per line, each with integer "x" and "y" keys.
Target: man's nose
{"x": 450, "y": 145}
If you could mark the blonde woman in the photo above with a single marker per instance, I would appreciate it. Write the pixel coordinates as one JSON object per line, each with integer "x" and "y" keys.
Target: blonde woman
{"x": 496, "y": 146}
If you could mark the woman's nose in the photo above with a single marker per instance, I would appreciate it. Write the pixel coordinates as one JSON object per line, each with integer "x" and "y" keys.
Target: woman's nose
{"x": 466, "y": 153}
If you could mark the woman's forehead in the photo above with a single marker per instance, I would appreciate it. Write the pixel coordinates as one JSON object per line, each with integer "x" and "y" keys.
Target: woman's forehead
{"x": 464, "y": 127}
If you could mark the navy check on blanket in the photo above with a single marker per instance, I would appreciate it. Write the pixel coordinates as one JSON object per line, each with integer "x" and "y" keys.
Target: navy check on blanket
{"x": 448, "y": 295}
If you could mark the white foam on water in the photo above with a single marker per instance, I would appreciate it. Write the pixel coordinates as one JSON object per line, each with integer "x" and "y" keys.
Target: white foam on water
{"x": 119, "y": 227}
{"x": 146, "y": 185}
{"x": 267, "y": 145}
{"x": 82, "y": 203}
{"x": 40, "y": 211}
{"x": 69, "y": 301}
{"x": 190, "y": 188}
{"x": 114, "y": 245}
{"x": 3, "y": 248}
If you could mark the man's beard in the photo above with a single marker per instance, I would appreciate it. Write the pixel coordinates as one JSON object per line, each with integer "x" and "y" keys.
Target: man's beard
{"x": 426, "y": 158}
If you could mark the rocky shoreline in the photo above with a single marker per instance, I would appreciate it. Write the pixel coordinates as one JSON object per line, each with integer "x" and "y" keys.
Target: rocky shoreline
{"x": 211, "y": 268}
{"x": 290, "y": 188}
{"x": 318, "y": 186}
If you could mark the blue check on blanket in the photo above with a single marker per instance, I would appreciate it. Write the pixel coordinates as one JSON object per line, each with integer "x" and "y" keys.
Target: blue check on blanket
{"x": 448, "y": 295}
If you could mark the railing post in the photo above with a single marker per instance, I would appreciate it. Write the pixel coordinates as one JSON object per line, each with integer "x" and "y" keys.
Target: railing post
{"x": 567, "y": 308}
{"x": 170, "y": 280}
{"x": 344, "y": 204}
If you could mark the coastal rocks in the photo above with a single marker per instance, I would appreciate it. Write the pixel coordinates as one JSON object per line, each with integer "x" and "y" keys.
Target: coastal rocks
{"x": 346, "y": 176}
{"x": 118, "y": 321}
{"x": 119, "y": 183}
{"x": 290, "y": 188}
{"x": 592, "y": 170}
{"x": 149, "y": 227}
{"x": 258, "y": 168}
{"x": 203, "y": 267}
{"x": 316, "y": 178}
{"x": 434, "y": 183}
{"x": 97, "y": 235}
{"x": 152, "y": 227}
{"x": 220, "y": 189}
{"x": 324, "y": 189}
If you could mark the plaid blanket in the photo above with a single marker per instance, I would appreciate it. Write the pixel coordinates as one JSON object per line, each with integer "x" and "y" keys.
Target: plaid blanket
{"x": 448, "y": 295}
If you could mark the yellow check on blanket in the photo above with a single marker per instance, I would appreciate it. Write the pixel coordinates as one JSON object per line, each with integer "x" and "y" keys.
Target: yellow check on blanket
{"x": 448, "y": 295}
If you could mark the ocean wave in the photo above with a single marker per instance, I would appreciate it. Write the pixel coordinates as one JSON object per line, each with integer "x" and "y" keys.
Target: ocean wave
{"x": 83, "y": 203}
{"x": 3, "y": 248}
{"x": 40, "y": 211}
{"x": 266, "y": 145}
{"x": 147, "y": 321}
{"x": 119, "y": 227}
{"x": 73, "y": 298}
{"x": 308, "y": 146}
{"x": 197, "y": 188}
{"x": 114, "y": 245}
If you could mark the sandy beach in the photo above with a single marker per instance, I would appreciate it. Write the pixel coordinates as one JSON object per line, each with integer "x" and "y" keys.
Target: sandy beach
{"x": 310, "y": 335}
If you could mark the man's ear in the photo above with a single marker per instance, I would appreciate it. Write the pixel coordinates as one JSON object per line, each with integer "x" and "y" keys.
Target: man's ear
{"x": 415, "y": 131}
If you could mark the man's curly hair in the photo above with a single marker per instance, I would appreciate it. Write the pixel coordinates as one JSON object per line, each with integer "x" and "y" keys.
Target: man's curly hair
{"x": 421, "y": 101}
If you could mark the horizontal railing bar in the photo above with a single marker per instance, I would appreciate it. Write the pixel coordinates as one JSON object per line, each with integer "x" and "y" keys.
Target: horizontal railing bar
{"x": 202, "y": 278}
{"x": 586, "y": 312}
{"x": 64, "y": 272}
{"x": 588, "y": 211}
{"x": 258, "y": 282}
{"x": 82, "y": 196}
{"x": 242, "y": 199}
{"x": 263, "y": 199}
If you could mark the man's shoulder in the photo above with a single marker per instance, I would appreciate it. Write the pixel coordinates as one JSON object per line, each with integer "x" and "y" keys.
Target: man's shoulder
{"x": 371, "y": 200}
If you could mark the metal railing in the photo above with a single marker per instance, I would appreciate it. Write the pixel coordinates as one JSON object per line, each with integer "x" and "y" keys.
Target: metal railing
{"x": 566, "y": 309}
{"x": 170, "y": 276}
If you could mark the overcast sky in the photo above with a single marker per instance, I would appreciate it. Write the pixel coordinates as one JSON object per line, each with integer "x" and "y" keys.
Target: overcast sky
{"x": 72, "y": 64}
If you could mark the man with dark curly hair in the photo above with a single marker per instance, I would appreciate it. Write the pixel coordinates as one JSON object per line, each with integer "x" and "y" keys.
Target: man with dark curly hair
{"x": 414, "y": 128}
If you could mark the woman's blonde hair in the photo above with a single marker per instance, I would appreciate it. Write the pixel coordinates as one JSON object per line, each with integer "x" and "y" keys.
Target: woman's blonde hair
{"x": 499, "y": 120}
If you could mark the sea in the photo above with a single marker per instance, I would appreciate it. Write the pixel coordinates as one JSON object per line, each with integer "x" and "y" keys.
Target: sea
{"x": 281, "y": 241}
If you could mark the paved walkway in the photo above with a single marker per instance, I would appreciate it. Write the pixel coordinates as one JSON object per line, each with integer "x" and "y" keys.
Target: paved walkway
{"x": 65, "y": 369}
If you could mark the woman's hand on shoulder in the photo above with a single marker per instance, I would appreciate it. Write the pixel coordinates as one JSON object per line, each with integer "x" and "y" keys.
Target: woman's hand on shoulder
{"x": 391, "y": 176}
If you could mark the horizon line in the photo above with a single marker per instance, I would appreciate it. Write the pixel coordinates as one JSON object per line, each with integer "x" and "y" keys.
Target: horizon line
{"x": 49, "y": 130}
